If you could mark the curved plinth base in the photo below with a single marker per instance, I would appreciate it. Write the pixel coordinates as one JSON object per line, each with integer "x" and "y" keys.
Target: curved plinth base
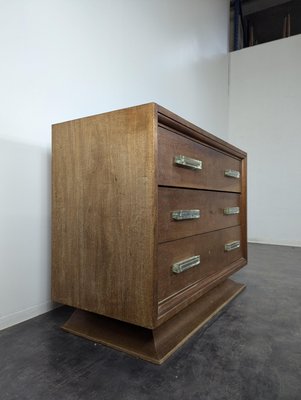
{"x": 158, "y": 344}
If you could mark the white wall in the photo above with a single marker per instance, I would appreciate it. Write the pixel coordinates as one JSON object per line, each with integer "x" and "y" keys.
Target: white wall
{"x": 265, "y": 120}
{"x": 64, "y": 59}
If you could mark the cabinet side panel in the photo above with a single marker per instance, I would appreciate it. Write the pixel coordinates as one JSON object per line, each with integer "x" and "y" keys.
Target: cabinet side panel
{"x": 104, "y": 214}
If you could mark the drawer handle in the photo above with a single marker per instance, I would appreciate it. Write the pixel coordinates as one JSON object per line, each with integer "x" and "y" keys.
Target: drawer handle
{"x": 188, "y": 162}
{"x": 231, "y": 173}
{"x": 231, "y": 210}
{"x": 185, "y": 214}
{"x": 232, "y": 245}
{"x": 182, "y": 266}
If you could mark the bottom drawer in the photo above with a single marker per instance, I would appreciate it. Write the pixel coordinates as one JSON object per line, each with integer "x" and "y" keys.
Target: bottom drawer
{"x": 184, "y": 262}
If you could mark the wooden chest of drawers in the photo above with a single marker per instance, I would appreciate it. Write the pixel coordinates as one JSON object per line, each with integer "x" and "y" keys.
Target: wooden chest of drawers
{"x": 148, "y": 222}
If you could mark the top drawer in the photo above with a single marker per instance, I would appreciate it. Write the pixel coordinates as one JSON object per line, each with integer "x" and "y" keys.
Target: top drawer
{"x": 210, "y": 173}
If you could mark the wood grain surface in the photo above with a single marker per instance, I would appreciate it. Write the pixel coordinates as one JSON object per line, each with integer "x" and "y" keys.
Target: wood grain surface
{"x": 105, "y": 213}
{"x": 213, "y": 259}
{"x": 114, "y": 186}
{"x": 214, "y": 164}
{"x": 171, "y": 121}
{"x": 154, "y": 345}
{"x": 211, "y": 206}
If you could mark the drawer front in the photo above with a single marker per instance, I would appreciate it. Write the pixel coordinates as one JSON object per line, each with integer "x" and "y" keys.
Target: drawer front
{"x": 183, "y": 254}
{"x": 186, "y": 212}
{"x": 185, "y": 163}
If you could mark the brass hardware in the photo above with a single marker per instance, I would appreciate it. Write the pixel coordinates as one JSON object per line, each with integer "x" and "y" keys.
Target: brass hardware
{"x": 188, "y": 162}
{"x": 185, "y": 214}
{"x": 231, "y": 173}
{"x": 232, "y": 245}
{"x": 181, "y": 266}
{"x": 231, "y": 210}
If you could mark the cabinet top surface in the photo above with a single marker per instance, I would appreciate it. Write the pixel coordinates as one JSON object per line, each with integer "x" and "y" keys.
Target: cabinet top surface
{"x": 163, "y": 116}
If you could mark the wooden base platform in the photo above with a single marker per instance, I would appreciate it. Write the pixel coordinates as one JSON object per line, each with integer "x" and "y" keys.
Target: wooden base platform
{"x": 158, "y": 344}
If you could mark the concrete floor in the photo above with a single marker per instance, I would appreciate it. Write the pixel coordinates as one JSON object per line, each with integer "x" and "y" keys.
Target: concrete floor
{"x": 251, "y": 351}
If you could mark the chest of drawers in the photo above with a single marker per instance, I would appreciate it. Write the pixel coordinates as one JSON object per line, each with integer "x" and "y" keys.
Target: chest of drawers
{"x": 148, "y": 222}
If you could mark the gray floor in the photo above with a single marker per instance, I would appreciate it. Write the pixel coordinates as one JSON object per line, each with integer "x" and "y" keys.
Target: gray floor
{"x": 251, "y": 351}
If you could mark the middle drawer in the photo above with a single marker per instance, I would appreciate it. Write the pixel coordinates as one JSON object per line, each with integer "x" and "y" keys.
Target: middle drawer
{"x": 187, "y": 212}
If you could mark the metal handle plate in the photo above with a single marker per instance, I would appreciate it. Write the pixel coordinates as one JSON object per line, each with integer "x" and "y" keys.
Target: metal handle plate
{"x": 231, "y": 173}
{"x": 185, "y": 214}
{"x": 232, "y": 245}
{"x": 188, "y": 162}
{"x": 231, "y": 210}
{"x": 181, "y": 266}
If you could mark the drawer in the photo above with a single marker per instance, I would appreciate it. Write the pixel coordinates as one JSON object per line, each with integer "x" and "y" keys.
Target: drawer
{"x": 186, "y": 212}
{"x": 212, "y": 173}
{"x": 210, "y": 247}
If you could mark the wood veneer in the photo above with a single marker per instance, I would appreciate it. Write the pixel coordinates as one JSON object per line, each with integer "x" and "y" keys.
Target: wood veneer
{"x": 211, "y": 176}
{"x": 113, "y": 242}
{"x": 214, "y": 259}
{"x": 211, "y": 206}
{"x": 158, "y": 344}
{"x": 104, "y": 214}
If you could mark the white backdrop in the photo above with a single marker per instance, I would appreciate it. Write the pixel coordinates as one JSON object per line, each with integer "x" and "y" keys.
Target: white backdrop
{"x": 265, "y": 120}
{"x": 64, "y": 59}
